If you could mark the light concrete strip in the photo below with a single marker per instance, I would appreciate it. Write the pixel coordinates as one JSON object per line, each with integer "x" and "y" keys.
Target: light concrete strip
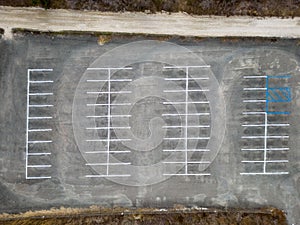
{"x": 160, "y": 23}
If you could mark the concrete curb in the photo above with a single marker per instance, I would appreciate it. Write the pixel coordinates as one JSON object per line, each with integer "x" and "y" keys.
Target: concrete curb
{"x": 158, "y": 24}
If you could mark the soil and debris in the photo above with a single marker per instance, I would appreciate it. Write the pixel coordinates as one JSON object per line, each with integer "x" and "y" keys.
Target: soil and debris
{"x": 177, "y": 215}
{"x": 279, "y": 8}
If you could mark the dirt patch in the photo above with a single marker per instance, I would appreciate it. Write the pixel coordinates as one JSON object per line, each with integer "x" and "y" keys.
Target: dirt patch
{"x": 280, "y": 8}
{"x": 177, "y": 215}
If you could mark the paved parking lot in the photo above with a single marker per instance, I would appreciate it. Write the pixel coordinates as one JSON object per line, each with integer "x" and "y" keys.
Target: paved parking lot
{"x": 138, "y": 122}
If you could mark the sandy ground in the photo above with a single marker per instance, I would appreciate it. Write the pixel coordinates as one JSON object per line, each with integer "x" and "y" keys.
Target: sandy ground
{"x": 160, "y": 23}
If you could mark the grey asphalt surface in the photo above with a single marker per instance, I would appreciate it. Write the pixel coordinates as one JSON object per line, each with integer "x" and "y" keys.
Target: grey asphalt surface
{"x": 217, "y": 91}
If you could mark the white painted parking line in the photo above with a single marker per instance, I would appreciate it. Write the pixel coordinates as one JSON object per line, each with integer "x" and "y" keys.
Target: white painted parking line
{"x": 269, "y": 125}
{"x": 178, "y": 91}
{"x": 105, "y": 152}
{"x": 265, "y": 143}
{"x": 187, "y": 174}
{"x": 265, "y": 136}
{"x": 110, "y": 68}
{"x": 254, "y": 100}
{"x": 186, "y": 79}
{"x": 106, "y": 140}
{"x": 107, "y": 128}
{"x": 108, "y": 92}
{"x": 189, "y": 126}
{"x": 184, "y": 103}
{"x": 265, "y": 161}
{"x": 39, "y": 106}
{"x": 39, "y": 166}
{"x": 189, "y": 162}
{"x": 40, "y": 70}
{"x": 255, "y": 89}
{"x": 267, "y": 149}
{"x": 29, "y": 118}
{"x": 39, "y": 153}
{"x": 184, "y": 67}
{"x": 183, "y": 150}
{"x": 184, "y": 114}
{"x": 107, "y": 164}
{"x": 39, "y": 130}
{"x": 112, "y": 104}
{"x": 187, "y": 138}
{"x": 40, "y": 81}
{"x": 253, "y": 113}
{"x": 267, "y": 173}
{"x": 40, "y": 94}
{"x": 254, "y": 77}
{"x": 186, "y": 118}
{"x": 40, "y": 117}
{"x": 111, "y": 80}
{"x": 110, "y": 175}
{"x": 109, "y": 116}
{"x": 39, "y": 142}
{"x": 38, "y": 178}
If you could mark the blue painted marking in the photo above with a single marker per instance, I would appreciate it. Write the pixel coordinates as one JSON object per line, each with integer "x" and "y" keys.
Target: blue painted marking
{"x": 279, "y": 113}
{"x": 277, "y": 94}
{"x": 280, "y": 77}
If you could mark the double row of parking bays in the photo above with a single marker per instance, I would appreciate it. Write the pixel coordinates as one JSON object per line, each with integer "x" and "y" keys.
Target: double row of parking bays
{"x": 187, "y": 130}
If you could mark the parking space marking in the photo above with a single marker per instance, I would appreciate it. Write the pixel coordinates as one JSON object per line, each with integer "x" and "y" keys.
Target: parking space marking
{"x": 269, "y": 125}
{"x": 39, "y": 106}
{"x": 265, "y": 149}
{"x": 189, "y": 162}
{"x": 108, "y": 92}
{"x": 107, "y": 164}
{"x": 178, "y": 91}
{"x": 188, "y": 150}
{"x": 273, "y": 95}
{"x": 188, "y": 138}
{"x": 254, "y": 100}
{"x": 112, "y": 104}
{"x": 265, "y": 161}
{"x": 40, "y": 94}
{"x": 39, "y": 153}
{"x": 186, "y": 115}
{"x": 189, "y": 126}
{"x": 39, "y": 142}
{"x": 265, "y": 136}
{"x": 39, "y": 130}
{"x": 38, "y": 166}
{"x": 38, "y": 178}
{"x": 184, "y": 79}
{"x": 107, "y": 128}
{"x": 108, "y": 139}
{"x": 111, "y": 80}
{"x": 32, "y": 141}
{"x": 104, "y": 152}
{"x": 40, "y": 81}
{"x": 109, "y": 175}
{"x": 108, "y": 116}
{"x": 185, "y": 103}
